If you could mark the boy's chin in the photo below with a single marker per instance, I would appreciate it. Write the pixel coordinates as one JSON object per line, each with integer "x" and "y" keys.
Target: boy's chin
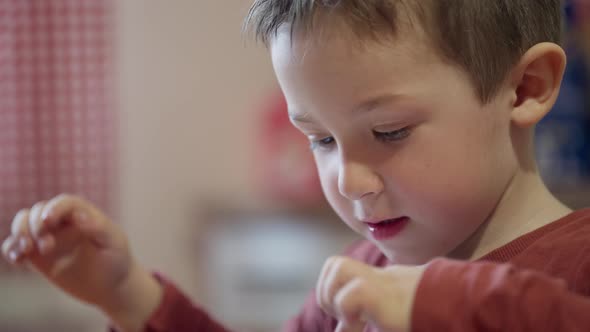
{"x": 399, "y": 257}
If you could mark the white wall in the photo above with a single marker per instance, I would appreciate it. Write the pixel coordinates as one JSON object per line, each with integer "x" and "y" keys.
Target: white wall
{"x": 189, "y": 84}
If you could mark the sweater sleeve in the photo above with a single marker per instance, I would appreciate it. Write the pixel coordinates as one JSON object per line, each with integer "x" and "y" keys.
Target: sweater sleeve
{"x": 467, "y": 297}
{"x": 176, "y": 313}
{"x": 312, "y": 318}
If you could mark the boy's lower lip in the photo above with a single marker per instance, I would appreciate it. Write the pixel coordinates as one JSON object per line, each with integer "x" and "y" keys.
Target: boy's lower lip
{"x": 387, "y": 229}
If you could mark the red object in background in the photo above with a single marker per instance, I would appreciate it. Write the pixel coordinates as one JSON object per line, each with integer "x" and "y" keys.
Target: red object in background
{"x": 57, "y": 121}
{"x": 288, "y": 173}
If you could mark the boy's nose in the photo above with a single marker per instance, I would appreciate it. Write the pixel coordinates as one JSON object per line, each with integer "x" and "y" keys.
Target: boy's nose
{"x": 356, "y": 181}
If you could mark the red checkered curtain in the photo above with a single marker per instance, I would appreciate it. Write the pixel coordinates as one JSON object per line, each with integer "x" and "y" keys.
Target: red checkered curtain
{"x": 57, "y": 121}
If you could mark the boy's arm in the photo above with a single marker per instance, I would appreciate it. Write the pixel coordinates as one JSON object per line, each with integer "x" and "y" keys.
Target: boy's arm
{"x": 176, "y": 313}
{"x": 455, "y": 296}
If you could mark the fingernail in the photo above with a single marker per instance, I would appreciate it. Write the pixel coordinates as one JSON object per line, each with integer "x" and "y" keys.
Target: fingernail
{"x": 23, "y": 244}
{"x": 13, "y": 256}
{"x": 45, "y": 215}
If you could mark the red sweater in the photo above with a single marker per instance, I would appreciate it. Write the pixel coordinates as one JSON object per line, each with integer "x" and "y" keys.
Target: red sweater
{"x": 538, "y": 282}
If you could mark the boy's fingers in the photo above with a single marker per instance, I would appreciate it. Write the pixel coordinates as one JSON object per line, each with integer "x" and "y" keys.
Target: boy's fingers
{"x": 341, "y": 272}
{"x": 326, "y": 270}
{"x": 20, "y": 223}
{"x": 55, "y": 212}
{"x": 338, "y": 275}
{"x": 7, "y": 246}
{"x": 10, "y": 250}
{"x": 76, "y": 212}
{"x": 89, "y": 221}
{"x": 355, "y": 301}
{"x": 35, "y": 213}
{"x": 322, "y": 286}
{"x": 26, "y": 240}
{"x": 46, "y": 244}
{"x": 95, "y": 229}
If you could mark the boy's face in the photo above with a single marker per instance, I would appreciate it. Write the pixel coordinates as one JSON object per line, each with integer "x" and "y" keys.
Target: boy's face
{"x": 407, "y": 155}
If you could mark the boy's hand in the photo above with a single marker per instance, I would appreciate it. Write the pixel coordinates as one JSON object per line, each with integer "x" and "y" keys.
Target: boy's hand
{"x": 359, "y": 295}
{"x": 77, "y": 248}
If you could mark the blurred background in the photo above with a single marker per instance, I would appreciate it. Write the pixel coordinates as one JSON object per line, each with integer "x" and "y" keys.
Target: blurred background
{"x": 166, "y": 117}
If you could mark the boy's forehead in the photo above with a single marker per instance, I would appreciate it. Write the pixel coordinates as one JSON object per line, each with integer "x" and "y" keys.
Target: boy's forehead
{"x": 333, "y": 48}
{"x": 342, "y": 74}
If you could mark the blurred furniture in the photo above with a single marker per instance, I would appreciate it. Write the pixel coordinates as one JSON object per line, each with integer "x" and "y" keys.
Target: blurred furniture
{"x": 259, "y": 264}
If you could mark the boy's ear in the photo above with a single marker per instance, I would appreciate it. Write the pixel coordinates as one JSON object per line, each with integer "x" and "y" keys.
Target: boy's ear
{"x": 536, "y": 80}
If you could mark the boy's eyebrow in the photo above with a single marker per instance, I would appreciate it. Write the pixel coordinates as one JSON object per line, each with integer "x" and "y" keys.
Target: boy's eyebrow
{"x": 296, "y": 117}
{"x": 374, "y": 102}
{"x": 364, "y": 106}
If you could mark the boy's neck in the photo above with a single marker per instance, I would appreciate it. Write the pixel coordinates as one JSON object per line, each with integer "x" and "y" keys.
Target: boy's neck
{"x": 525, "y": 206}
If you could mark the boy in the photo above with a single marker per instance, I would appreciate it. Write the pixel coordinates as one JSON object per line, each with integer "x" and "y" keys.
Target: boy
{"x": 420, "y": 116}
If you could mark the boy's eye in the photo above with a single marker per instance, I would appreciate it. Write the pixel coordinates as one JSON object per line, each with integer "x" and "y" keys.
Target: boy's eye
{"x": 322, "y": 143}
{"x": 392, "y": 136}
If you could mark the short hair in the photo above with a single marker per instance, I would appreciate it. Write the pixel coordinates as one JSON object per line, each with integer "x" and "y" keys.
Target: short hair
{"x": 485, "y": 38}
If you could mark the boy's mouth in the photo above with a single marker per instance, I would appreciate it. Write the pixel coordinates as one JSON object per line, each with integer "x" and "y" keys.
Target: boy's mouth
{"x": 388, "y": 228}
